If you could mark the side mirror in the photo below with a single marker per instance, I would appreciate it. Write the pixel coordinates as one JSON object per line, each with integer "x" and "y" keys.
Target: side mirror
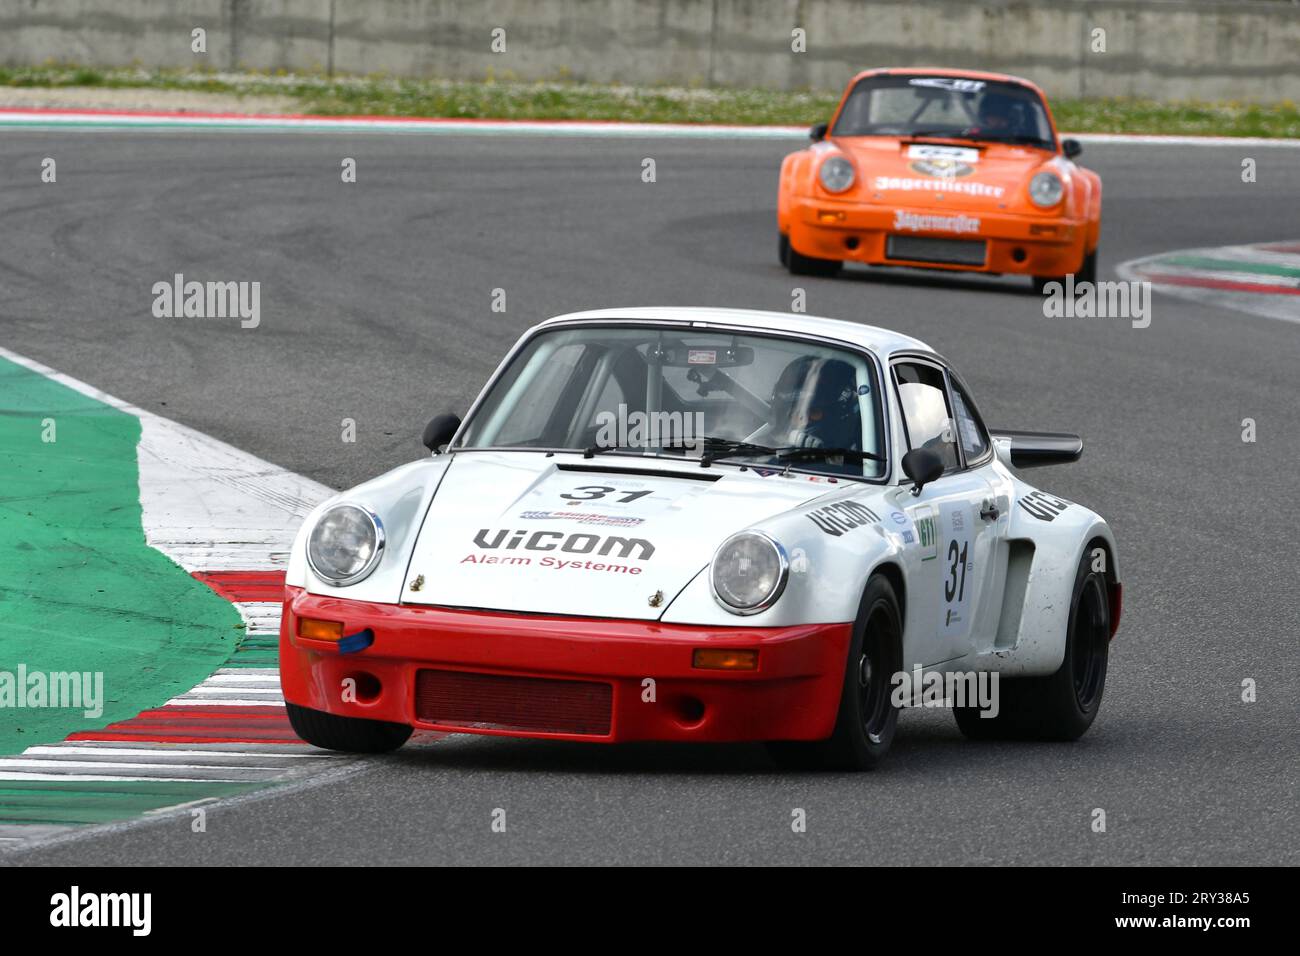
{"x": 440, "y": 431}
{"x": 818, "y": 132}
{"x": 1071, "y": 148}
{"x": 922, "y": 466}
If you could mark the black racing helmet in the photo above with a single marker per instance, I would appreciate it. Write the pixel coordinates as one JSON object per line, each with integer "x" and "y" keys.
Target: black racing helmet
{"x": 820, "y": 397}
{"x": 1001, "y": 111}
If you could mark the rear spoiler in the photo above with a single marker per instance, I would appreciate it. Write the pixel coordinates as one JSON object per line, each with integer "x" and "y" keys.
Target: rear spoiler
{"x": 1032, "y": 449}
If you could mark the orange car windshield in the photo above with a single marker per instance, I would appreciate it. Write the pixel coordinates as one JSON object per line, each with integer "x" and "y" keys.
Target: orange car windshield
{"x": 949, "y": 107}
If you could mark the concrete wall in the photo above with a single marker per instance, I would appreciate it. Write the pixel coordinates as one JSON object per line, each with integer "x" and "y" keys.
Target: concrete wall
{"x": 1166, "y": 49}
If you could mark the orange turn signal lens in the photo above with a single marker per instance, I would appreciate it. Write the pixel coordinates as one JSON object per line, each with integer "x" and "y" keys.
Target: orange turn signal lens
{"x": 830, "y": 215}
{"x": 316, "y": 630}
{"x": 725, "y": 659}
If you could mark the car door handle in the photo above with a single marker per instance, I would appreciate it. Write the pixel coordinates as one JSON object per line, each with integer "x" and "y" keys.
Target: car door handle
{"x": 989, "y": 511}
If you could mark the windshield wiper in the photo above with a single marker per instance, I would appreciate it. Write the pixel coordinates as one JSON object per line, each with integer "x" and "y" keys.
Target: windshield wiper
{"x": 726, "y": 446}
{"x": 712, "y": 448}
{"x": 732, "y": 446}
{"x": 937, "y": 134}
{"x": 1018, "y": 139}
{"x": 788, "y": 453}
{"x": 606, "y": 449}
{"x": 716, "y": 449}
{"x": 814, "y": 454}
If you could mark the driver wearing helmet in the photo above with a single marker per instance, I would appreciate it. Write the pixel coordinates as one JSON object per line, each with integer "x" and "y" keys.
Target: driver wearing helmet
{"x": 1000, "y": 113}
{"x": 814, "y": 405}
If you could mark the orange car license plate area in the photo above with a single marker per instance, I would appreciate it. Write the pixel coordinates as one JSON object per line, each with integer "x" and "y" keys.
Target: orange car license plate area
{"x": 959, "y": 252}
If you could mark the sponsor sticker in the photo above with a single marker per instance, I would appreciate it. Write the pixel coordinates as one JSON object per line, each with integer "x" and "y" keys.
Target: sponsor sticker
{"x": 939, "y": 184}
{"x": 702, "y": 357}
{"x": 955, "y": 83}
{"x": 958, "y": 154}
{"x": 583, "y": 517}
{"x": 917, "y": 222}
{"x": 835, "y": 519}
{"x": 1043, "y": 506}
{"x": 899, "y": 524}
{"x": 927, "y": 531}
{"x": 578, "y": 544}
{"x": 941, "y": 168}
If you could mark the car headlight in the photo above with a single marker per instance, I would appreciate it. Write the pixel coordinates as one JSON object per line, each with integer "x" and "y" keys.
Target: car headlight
{"x": 345, "y": 545}
{"x": 749, "y": 572}
{"x": 1046, "y": 189}
{"x": 836, "y": 174}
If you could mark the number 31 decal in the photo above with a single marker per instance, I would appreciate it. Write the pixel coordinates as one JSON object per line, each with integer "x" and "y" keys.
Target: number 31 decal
{"x": 954, "y": 523}
{"x": 955, "y": 587}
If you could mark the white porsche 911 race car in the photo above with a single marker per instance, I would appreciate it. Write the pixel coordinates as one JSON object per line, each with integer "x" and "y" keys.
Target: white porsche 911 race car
{"x": 703, "y": 525}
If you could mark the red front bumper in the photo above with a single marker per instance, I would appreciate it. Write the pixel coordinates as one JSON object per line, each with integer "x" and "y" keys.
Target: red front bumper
{"x": 524, "y": 675}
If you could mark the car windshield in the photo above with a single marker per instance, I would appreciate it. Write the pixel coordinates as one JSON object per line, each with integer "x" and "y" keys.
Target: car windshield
{"x": 677, "y": 392}
{"x": 945, "y": 107}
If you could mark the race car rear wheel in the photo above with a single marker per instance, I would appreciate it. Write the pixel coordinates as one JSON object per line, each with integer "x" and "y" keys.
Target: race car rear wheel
{"x": 867, "y": 719}
{"x": 354, "y": 735}
{"x": 1064, "y": 705}
{"x": 804, "y": 265}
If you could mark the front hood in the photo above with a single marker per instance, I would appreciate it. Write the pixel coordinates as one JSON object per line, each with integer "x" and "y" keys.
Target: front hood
{"x": 600, "y": 537}
{"x": 941, "y": 175}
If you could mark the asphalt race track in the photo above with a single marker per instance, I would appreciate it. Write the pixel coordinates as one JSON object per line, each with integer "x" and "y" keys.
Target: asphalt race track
{"x": 376, "y": 306}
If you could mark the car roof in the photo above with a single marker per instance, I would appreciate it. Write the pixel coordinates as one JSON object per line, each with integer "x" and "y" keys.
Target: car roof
{"x": 883, "y": 342}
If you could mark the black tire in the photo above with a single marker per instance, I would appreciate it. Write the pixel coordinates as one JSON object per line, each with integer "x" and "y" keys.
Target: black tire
{"x": 801, "y": 265}
{"x": 1064, "y": 705}
{"x": 1087, "y": 273}
{"x": 354, "y": 735}
{"x": 867, "y": 719}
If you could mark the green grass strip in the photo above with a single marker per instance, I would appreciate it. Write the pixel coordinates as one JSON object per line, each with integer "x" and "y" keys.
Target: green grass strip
{"x": 561, "y": 100}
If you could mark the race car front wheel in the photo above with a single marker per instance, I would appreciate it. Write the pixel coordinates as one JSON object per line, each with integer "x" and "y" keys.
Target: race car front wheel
{"x": 867, "y": 718}
{"x": 1087, "y": 273}
{"x": 353, "y": 735}
{"x": 1064, "y": 705}
{"x": 804, "y": 265}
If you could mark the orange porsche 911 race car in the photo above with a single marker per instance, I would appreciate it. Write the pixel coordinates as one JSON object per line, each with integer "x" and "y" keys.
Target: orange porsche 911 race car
{"x": 940, "y": 169}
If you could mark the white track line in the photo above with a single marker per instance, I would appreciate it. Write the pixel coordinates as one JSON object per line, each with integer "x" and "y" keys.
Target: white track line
{"x": 261, "y": 617}
{"x": 87, "y": 120}
{"x": 207, "y": 505}
{"x": 89, "y": 748}
{"x": 110, "y": 778}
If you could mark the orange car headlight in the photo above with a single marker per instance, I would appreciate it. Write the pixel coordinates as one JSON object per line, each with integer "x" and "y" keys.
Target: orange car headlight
{"x": 1046, "y": 189}
{"x": 836, "y": 174}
